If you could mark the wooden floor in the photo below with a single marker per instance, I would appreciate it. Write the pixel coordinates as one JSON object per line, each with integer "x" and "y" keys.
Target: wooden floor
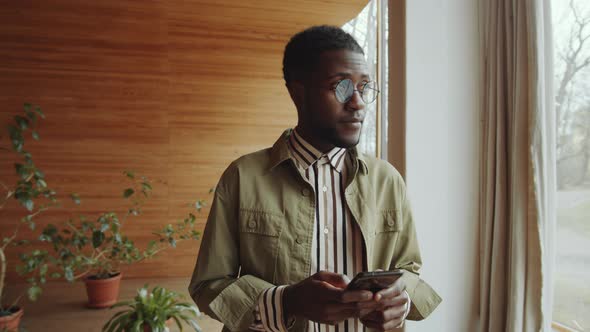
{"x": 62, "y": 307}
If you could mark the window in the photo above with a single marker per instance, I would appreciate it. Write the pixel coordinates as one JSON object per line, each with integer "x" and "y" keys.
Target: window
{"x": 571, "y": 24}
{"x": 365, "y": 29}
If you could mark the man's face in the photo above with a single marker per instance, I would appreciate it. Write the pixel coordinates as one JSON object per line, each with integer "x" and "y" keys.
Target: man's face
{"x": 322, "y": 116}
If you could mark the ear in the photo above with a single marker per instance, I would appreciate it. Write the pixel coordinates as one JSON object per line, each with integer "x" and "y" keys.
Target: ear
{"x": 297, "y": 93}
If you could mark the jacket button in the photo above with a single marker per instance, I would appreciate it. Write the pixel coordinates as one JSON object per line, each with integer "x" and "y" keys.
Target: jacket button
{"x": 299, "y": 240}
{"x": 251, "y": 224}
{"x": 305, "y": 192}
{"x": 390, "y": 222}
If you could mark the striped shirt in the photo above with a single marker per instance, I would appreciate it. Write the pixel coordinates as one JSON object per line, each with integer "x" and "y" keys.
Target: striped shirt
{"x": 337, "y": 241}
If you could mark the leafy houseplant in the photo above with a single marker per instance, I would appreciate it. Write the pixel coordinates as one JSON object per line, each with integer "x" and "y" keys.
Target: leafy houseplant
{"x": 151, "y": 310}
{"x": 95, "y": 249}
{"x": 33, "y": 194}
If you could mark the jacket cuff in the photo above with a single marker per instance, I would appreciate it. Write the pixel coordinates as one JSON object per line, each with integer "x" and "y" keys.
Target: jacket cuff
{"x": 233, "y": 306}
{"x": 424, "y": 298}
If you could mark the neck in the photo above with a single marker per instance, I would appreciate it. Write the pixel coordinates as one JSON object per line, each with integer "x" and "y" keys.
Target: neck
{"x": 317, "y": 143}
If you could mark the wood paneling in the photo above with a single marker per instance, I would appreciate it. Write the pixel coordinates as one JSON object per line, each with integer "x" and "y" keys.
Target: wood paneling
{"x": 174, "y": 90}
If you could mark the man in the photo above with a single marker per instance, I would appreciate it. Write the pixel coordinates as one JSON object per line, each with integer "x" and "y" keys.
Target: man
{"x": 291, "y": 225}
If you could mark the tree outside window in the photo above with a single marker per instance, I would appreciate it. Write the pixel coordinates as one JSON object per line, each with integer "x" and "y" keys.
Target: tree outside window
{"x": 571, "y": 24}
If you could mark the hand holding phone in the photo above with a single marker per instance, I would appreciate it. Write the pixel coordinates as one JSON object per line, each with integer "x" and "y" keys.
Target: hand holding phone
{"x": 374, "y": 281}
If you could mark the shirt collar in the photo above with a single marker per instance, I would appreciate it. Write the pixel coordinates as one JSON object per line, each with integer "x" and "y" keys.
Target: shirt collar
{"x": 306, "y": 155}
{"x": 281, "y": 152}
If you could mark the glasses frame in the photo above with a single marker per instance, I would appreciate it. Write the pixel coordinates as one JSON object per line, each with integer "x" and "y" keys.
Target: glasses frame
{"x": 360, "y": 91}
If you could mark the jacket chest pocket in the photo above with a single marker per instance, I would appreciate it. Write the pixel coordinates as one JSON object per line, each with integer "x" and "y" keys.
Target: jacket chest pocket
{"x": 259, "y": 242}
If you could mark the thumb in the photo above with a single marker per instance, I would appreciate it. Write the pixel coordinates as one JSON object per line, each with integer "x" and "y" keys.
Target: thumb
{"x": 334, "y": 279}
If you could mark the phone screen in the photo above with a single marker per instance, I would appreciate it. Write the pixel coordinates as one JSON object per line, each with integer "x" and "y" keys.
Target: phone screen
{"x": 374, "y": 281}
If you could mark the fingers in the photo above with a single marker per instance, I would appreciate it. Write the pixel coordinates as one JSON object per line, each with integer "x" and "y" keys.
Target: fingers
{"x": 384, "y": 320}
{"x": 398, "y": 301}
{"x": 386, "y": 326}
{"x": 394, "y": 290}
{"x": 386, "y": 308}
{"x": 356, "y": 296}
{"x": 338, "y": 295}
{"x": 336, "y": 283}
{"x": 337, "y": 312}
{"x": 334, "y": 279}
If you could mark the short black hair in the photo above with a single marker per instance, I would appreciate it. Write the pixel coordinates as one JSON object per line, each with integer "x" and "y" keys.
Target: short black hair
{"x": 305, "y": 48}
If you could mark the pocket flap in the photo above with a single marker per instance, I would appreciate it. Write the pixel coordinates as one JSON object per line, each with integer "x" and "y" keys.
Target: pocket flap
{"x": 389, "y": 221}
{"x": 260, "y": 222}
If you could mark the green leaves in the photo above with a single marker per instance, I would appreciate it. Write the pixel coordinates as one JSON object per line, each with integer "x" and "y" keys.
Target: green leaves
{"x": 35, "y": 265}
{"x": 199, "y": 205}
{"x": 39, "y": 112}
{"x": 31, "y": 191}
{"x": 152, "y": 308}
{"x": 104, "y": 227}
{"x": 41, "y": 183}
{"x": 128, "y": 192}
{"x": 39, "y": 174}
{"x": 16, "y": 137}
{"x": 172, "y": 242}
{"x": 75, "y": 198}
{"x": 69, "y": 273}
{"x": 97, "y": 238}
{"x": 21, "y": 170}
{"x": 29, "y": 204}
{"x": 33, "y": 292}
{"x": 98, "y": 245}
{"x": 22, "y": 122}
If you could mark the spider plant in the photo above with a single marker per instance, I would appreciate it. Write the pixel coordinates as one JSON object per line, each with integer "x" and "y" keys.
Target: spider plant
{"x": 150, "y": 311}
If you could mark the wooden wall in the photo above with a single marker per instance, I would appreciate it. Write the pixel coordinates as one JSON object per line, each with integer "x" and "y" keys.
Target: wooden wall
{"x": 174, "y": 90}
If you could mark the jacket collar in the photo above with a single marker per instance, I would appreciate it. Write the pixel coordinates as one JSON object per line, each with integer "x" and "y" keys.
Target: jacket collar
{"x": 280, "y": 153}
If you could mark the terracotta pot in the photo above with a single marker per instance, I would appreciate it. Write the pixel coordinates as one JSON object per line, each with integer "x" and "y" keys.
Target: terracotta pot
{"x": 102, "y": 293}
{"x": 147, "y": 328}
{"x": 11, "y": 323}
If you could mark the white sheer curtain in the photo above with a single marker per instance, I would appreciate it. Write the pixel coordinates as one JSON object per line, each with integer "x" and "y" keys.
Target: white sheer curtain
{"x": 364, "y": 29}
{"x": 517, "y": 215}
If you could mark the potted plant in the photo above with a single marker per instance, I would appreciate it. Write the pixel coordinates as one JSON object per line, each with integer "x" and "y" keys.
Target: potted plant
{"x": 33, "y": 194}
{"x": 94, "y": 250}
{"x": 153, "y": 311}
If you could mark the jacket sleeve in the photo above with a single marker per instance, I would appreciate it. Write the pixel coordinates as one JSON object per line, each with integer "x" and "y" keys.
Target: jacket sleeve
{"x": 407, "y": 256}
{"x": 216, "y": 286}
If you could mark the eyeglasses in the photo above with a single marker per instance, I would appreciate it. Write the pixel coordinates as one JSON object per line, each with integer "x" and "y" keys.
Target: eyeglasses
{"x": 344, "y": 91}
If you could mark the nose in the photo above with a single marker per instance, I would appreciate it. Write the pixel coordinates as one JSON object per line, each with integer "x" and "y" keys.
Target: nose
{"x": 355, "y": 103}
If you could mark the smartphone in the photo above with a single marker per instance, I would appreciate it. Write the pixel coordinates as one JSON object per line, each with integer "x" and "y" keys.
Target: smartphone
{"x": 374, "y": 281}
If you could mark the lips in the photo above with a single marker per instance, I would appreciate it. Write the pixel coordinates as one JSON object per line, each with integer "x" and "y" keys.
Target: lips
{"x": 354, "y": 125}
{"x": 353, "y": 121}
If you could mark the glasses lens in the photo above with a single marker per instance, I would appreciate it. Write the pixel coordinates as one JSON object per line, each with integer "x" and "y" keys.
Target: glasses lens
{"x": 369, "y": 93}
{"x": 344, "y": 90}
